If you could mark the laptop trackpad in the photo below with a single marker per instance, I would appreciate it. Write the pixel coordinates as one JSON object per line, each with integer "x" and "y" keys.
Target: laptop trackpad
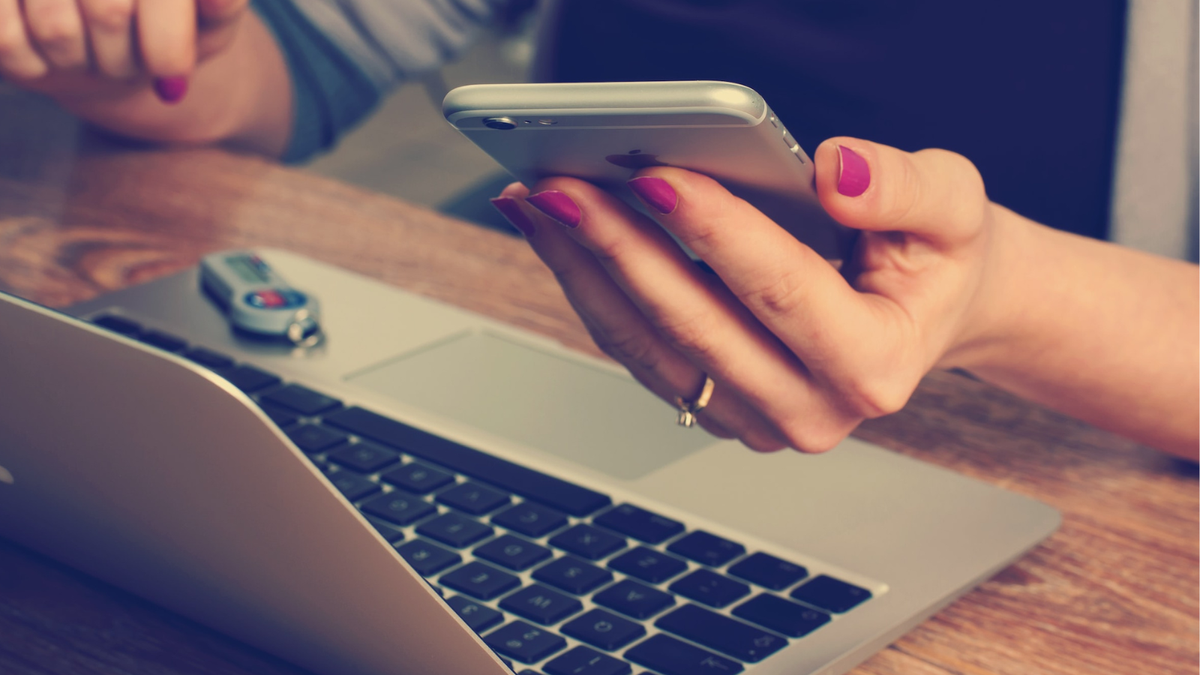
{"x": 559, "y": 406}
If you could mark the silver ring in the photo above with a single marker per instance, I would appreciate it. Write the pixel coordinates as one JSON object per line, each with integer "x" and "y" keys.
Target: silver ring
{"x": 689, "y": 408}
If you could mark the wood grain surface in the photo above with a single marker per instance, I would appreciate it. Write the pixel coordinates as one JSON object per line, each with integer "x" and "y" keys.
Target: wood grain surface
{"x": 1113, "y": 592}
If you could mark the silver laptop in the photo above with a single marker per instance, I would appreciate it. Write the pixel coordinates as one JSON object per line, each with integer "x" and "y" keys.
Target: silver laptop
{"x": 430, "y": 491}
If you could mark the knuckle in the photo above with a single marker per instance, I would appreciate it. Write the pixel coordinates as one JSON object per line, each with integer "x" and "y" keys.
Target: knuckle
{"x": 957, "y": 164}
{"x": 701, "y": 237}
{"x": 760, "y": 442}
{"x": 22, "y": 69}
{"x": 610, "y": 251}
{"x": 12, "y": 41}
{"x": 691, "y": 332}
{"x": 780, "y": 294}
{"x": 906, "y": 194}
{"x": 964, "y": 180}
{"x": 868, "y": 398}
{"x": 814, "y": 436}
{"x": 630, "y": 348}
{"x": 109, "y": 15}
{"x": 55, "y": 25}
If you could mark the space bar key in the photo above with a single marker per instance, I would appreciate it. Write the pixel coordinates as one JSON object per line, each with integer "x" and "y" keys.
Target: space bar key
{"x": 548, "y": 490}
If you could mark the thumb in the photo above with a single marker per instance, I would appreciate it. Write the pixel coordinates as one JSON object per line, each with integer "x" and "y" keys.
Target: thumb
{"x": 935, "y": 194}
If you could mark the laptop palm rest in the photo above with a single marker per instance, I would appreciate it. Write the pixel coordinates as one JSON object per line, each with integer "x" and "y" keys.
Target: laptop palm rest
{"x": 562, "y": 407}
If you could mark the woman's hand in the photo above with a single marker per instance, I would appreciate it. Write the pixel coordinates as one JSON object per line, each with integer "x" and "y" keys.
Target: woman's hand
{"x": 940, "y": 277}
{"x": 800, "y": 352}
{"x": 81, "y": 49}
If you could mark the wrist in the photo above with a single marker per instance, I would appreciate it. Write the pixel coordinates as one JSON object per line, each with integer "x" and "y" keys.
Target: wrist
{"x": 994, "y": 322}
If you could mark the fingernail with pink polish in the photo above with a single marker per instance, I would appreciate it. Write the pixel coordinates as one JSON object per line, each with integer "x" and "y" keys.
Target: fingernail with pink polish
{"x": 854, "y": 177}
{"x": 510, "y": 209}
{"x": 171, "y": 89}
{"x": 656, "y": 192}
{"x": 558, "y": 206}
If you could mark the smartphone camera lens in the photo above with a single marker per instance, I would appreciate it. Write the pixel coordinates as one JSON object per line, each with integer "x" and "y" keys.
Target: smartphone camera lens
{"x": 501, "y": 123}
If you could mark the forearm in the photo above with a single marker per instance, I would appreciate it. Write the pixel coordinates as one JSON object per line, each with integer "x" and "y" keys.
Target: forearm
{"x": 240, "y": 97}
{"x": 1103, "y": 333}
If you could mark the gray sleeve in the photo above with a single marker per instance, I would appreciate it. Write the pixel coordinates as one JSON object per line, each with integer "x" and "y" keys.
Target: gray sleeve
{"x": 394, "y": 40}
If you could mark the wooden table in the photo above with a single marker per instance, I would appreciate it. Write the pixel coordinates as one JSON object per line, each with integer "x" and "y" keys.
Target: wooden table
{"x": 1114, "y": 591}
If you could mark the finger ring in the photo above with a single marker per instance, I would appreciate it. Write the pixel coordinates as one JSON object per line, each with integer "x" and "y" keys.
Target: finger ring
{"x": 688, "y": 409}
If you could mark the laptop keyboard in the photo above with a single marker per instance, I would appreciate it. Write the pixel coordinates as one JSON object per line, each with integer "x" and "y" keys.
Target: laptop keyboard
{"x": 550, "y": 574}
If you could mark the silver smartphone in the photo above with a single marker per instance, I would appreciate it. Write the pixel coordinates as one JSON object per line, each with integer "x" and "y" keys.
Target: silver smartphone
{"x": 605, "y": 131}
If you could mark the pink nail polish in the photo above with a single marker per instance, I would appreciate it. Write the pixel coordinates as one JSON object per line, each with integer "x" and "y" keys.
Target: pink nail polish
{"x": 171, "y": 90}
{"x": 510, "y": 209}
{"x": 854, "y": 176}
{"x": 558, "y": 206}
{"x": 656, "y": 192}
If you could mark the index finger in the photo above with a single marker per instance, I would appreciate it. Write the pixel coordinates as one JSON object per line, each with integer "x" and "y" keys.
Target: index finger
{"x": 792, "y": 290}
{"x": 167, "y": 35}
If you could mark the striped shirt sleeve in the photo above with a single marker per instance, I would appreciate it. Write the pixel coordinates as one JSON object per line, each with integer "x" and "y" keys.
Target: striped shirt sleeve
{"x": 344, "y": 55}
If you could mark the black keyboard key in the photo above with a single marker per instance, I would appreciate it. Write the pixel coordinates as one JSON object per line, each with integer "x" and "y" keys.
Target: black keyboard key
{"x": 512, "y": 552}
{"x": 669, "y": 656}
{"x": 398, "y": 507}
{"x": 478, "y": 617}
{"x": 639, "y": 524}
{"x": 782, "y": 616}
{"x": 302, "y": 400}
{"x": 648, "y": 565}
{"x": 573, "y": 575}
{"x": 363, "y": 457}
{"x": 710, "y": 588}
{"x": 603, "y": 629}
{"x": 553, "y": 492}
{"x": 584, "y": 661}
{"x": 119, "y": 324}
{"x": 768, "y": 571}
{"x": 248, "y": 378}
{"x": 352, "y": 485}
{"x": 282, "y": 418}
{"x": 417, "y": 478}
{"x": 587, "y": 541}
{"x": 706, "y": 549}
{"x": 530, "y": 519}
{"x": 831, "y": 594}
{"x": 454, "y": 530}
{"x": 523, "y": 642}
{"x": 716, "y": 631}
{"x": 634, "y": 599}
{"x": 480, "y": 581}
{"x": 313, "y": 438}
{"x": 389, "y": 533}
{"x": 474, "y": 498}
{"x": 428, "y": 558}
{"x": 164, "y": 341}
{"x": 541, "y": 604}
{"x": 208, "y": 358}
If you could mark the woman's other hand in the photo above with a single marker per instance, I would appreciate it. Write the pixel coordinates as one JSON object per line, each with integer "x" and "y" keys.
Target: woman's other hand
{"x": 104, "y": 48}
